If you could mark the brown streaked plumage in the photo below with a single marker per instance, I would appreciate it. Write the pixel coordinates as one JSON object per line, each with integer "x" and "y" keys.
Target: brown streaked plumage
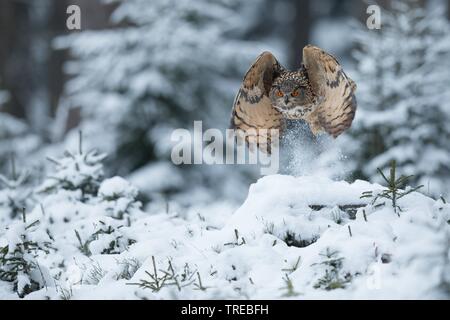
{"x": 319, "y": 92}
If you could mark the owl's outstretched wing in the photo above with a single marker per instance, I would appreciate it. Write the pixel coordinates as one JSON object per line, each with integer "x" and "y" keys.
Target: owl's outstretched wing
{"x": 335, "y": 90}
{"x": 252, "y": 111}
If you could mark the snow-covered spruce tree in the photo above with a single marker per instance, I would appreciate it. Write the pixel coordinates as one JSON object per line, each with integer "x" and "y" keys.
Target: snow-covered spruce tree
{"x": 118, "y": 198}
{"x": 25, "y": 241}
{"x": 109, "y": 233}
{"x": 403, "y": 109}
{"x": 333, "y": 276}
{"x": 15, "y": 136}
{"x": 165, "y": 64}
{"x": 103, "y": 235}
{"x": 83, "y": 212}
{"x": 79, "y": 172}
{"x": 15, "y": 194}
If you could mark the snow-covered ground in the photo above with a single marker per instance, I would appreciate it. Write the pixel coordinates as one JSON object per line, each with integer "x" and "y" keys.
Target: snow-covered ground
{"x": 294, "y": 237}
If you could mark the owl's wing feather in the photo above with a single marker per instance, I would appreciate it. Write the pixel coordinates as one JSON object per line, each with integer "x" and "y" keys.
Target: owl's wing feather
{"x": 252, "y": 109}
{"x": 335, "y": 90}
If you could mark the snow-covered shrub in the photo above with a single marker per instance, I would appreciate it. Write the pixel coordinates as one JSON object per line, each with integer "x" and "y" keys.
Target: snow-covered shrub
{"x": 118, "y": 197}
{"x": 333, "y": 277}
{"x": 97, "y": 211}
{"x": 105, "y": 235}
{"x": 75, "y": 172}
{"x": 69, "y": 192}
{"x": 179, "y": 278}
{"x": 15, "y": 194}
{"x": 16, "y": 138}
{"x": 128, "y": 268}
{"x": 19, "y": 262}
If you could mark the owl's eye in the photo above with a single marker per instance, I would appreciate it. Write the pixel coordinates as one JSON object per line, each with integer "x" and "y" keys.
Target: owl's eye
{"x": 295, "y": 93}
{"x": 279, "y": 93}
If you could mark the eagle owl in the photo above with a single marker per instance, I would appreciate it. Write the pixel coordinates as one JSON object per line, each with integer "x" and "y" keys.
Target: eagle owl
{"x": 319, "y": 93}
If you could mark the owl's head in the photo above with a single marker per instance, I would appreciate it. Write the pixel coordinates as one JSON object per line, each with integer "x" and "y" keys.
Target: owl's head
{"x": 290, "y": 91}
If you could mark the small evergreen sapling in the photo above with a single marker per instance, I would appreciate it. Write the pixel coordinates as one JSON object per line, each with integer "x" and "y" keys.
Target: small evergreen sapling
{"x": 93, "y": 274}
{"x": 76, "y": 171}
{"x": 392, "y": 191}
{"x": 107, "y": 237}
{"x": 18, "y": 259}
{"x": 118, "y": 197}
{"x": 156, "y": 281}
{"x": 289, "y": 287}
{"x": 159, "y": 279}
{"x": 16, "y": 137}
{"x": 199, "y": 284}
{"x": 15, "y": 195}
{"x": 332, "y": 278}
{"x": 128, "y": 268}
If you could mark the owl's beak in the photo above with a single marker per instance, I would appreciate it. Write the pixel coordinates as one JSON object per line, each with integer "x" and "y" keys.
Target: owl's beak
{"x": 286, "y": 99}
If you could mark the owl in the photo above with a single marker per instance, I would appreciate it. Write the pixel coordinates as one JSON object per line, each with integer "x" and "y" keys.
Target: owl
{"x": 319, "y": 93}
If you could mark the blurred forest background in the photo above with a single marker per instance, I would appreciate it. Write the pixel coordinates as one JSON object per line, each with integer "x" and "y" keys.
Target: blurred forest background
{"x": 138, "y": 69}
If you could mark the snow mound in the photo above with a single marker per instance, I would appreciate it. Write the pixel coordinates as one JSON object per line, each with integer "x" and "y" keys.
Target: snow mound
{"x": 117, "y": 187}
{"x": 156, "y": 177}
{"x": 285, "y": 200}
{"x": 293, "y": 238}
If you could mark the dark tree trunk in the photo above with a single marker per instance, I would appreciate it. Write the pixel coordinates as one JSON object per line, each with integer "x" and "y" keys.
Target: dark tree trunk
{"x": 448, "y": 9}
{"x": 301, "y": 27}
{"x": 56, "y": 59}
{"x": 14, "y": 54}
